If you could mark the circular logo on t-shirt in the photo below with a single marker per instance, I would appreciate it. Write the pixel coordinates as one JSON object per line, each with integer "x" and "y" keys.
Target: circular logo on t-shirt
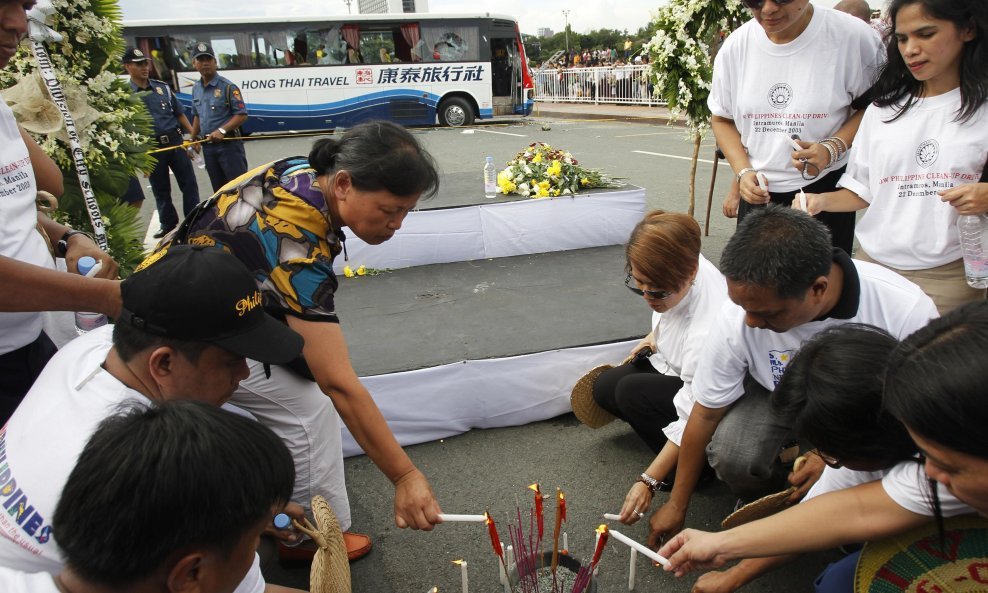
{"x": 927, "y": 153}
{"x": 780, "y": 95}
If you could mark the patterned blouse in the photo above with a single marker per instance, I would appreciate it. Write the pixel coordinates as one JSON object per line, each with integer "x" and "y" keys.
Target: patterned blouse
{"x": 275, "y": 220}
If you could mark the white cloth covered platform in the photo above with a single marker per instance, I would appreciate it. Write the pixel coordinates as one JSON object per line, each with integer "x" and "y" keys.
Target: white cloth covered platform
{"x": 503, "y": 229}
{"x": 438, "y": 402}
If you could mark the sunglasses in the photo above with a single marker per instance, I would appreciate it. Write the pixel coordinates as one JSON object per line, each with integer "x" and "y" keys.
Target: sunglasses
{"x": 654, "y": 294}
{"x": 757, "y": 4}
{"x": 830, "y": 460}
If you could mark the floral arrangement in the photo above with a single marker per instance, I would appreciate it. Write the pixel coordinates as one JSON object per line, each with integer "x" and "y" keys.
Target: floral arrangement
{"x": 681, "y": 62}
{"x": 363, "y": 270}
{"x": 113, "y": 124}
{"x": 680, "y": 56}
{"x": 541, "y": 171}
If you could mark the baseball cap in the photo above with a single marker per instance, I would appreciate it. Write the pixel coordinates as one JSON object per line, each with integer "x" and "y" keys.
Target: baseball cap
{"x": 134, "y": 55}
{"x": 204, "y": 294}
{"x": 203, "y": 49}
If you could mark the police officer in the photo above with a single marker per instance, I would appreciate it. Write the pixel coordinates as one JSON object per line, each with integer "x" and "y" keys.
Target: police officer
{"x": 168, "y": 115}
{"x": 219, "y": 112}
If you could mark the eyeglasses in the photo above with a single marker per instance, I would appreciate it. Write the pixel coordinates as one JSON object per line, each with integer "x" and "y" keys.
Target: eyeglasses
{"x": 830, "y": 460}
{"x": 757, "y": 4}
{"x": 652, "y": 294}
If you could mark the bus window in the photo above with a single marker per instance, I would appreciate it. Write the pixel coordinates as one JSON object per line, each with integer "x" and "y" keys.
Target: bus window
{"x": 232, "y": 50}
{"x": 324, "y": 45}
{"x": 377, "y": 47}
{"x": 445, "y": 43}
{"x": 275, "y": 48}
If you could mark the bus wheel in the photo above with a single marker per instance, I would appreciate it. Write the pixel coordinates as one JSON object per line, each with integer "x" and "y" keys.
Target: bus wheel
{"x": 455, "y": 112}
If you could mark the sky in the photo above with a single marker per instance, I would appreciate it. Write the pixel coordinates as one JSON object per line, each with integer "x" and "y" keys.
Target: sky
{"x": 531, "y": 15}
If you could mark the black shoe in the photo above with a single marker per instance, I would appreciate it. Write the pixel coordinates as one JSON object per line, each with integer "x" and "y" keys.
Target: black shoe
{"x": 162, "y": 232}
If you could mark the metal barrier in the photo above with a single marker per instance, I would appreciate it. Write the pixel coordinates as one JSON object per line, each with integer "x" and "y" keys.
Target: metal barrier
{"x": 627, "y": 85}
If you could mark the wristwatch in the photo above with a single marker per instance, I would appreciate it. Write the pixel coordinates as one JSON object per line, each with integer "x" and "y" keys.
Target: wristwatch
{"x": 221, "y": 131}
{"x": 62, "y": 246}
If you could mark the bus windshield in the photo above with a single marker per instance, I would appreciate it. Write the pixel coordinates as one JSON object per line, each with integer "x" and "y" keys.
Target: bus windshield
{"x": 315, "y": 74}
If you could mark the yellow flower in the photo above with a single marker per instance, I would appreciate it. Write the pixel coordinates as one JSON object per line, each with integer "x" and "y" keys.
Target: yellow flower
{"x": 348, "y": 272}
{"x": 537, "y": 158}
{"x": 554, "y": 169}
{"x": 584, "y": 181}
{"x": 544, "y": 185}
{"x": 361, "y": 270}
{"x": 542, "y": 191}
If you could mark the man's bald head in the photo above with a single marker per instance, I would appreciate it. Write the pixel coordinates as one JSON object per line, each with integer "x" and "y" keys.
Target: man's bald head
{"x": 858, "y": 8}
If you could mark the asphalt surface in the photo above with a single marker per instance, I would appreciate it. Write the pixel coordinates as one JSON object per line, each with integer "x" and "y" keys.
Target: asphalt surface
{"x": 428, "y": 315}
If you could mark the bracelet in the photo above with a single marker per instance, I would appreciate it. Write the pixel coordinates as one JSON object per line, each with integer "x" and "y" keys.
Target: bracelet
{"x": 839, "y": 143}
{"x": 221, "y": 131}
{"x": 650, "y": 482}
{"x": 831, "y": 150}
{"x": 745, "y": 171}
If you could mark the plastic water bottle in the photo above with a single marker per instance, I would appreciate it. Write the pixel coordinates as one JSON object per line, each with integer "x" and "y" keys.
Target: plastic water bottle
{"x": 196, "y": 157}
{"x": 87, "y": 322}
{"x": 490, "y": 178}
{"x": 975, "y": 249}
{"x": 283, "y": 522}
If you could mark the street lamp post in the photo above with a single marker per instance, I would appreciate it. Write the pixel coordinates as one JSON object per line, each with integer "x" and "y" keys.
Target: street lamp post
{"x": 347, "y": 2}
{"x": 566, "y": 16}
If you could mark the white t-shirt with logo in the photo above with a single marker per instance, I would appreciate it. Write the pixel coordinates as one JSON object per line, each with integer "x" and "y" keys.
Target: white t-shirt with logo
{"x": 15, "y": 581}
{"x": 905, "y": 483}
{"x": 887, "y": 301}
{"x": 41, "y": 442}
{"x": 803, "y": 87}
{"x": 681, "y": 334}
{"x": 19, "y": 236}
{"x": 899, "y": 167}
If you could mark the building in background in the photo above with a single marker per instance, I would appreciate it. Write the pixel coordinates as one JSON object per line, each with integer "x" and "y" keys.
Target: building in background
{"x": 392, "y": 6}
{"x": 544, "y": 32}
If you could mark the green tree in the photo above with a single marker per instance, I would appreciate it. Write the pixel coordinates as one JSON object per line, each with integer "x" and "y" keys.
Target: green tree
{"x": 114, "y": 125}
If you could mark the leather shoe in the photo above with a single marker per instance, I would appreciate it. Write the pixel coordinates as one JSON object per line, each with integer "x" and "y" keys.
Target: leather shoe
{"x": 162, "y": 232}
{"x": 358, "y": 545}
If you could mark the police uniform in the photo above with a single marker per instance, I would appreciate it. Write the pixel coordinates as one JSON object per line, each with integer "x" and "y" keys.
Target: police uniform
{"x": 214, "y": 104}
{"x": 164, "y": 108}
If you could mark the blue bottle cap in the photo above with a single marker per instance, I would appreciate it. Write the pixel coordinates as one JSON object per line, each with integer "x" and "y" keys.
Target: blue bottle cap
{"x": 85, "y": 264}
{"x": 282, "y": 521}
{"x": 490, "y": 159}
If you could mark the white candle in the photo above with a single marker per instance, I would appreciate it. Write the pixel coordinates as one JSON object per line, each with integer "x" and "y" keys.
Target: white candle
{"x": 565, "y": 541}
{"x": 444, "y": 517}
{"x": 509, "y": 558}
{"x": 637, "y": 546}
{"x": 502, "y": 577}
{"x": 612, "y": 517}
{"x": 631, "y": 569}
{"x": 463, "y": 577}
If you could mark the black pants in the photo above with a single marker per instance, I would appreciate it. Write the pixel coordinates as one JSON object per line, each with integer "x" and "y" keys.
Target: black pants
{"x": 642, "y": 397}
{"x": 841, "y": 224}
{"x": 18, "y": 370}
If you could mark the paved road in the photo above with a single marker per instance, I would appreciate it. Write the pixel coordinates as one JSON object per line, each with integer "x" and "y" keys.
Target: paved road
{"x": 490, "y": 469}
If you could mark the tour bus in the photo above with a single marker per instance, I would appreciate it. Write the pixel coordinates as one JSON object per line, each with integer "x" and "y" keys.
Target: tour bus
{"x": 301, "y": 74}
